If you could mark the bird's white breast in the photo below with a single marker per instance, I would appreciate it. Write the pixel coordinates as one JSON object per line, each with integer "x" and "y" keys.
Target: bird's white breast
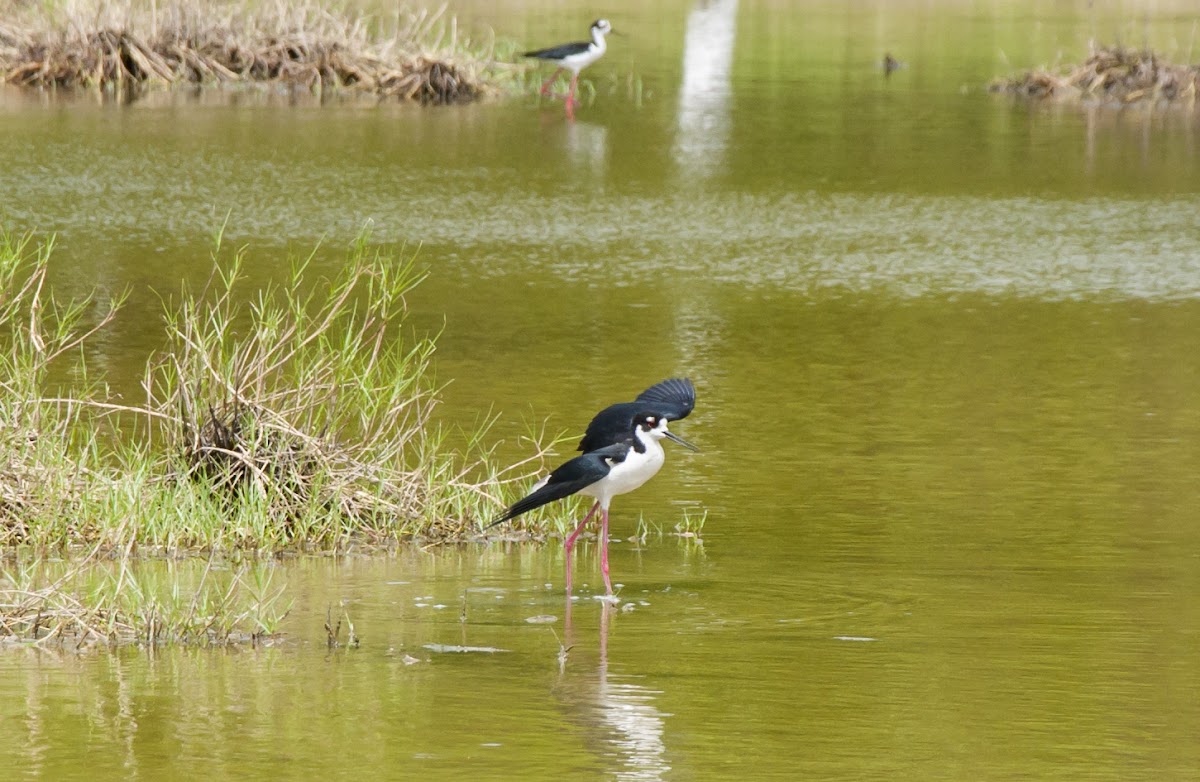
{"x": 578, "y": 62}
{"x": 625, "y": 476}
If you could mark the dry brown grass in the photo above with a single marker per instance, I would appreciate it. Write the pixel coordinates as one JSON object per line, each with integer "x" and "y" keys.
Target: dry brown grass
{"x": 1111, "y": 73}
{"x": 117, "y": 45}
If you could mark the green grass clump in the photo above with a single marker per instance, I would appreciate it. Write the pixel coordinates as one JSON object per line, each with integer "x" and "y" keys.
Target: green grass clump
{"x": 690, "y": 527}
{"x": 296, "y": 416}
{"x": 49, "y": 455}
{"x": 302, "y": 408}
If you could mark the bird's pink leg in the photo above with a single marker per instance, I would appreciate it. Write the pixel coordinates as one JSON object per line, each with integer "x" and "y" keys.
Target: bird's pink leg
{"x": 548, "y": 82}
{"x": 604, "y": 551}
{"x": 574, "y": 86}
{"x": 571, "y": 102}
{"x": 571, "y": 540}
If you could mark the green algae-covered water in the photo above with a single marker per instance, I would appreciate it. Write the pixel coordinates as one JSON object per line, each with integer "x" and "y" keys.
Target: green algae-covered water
{"x": 947, "y": 349}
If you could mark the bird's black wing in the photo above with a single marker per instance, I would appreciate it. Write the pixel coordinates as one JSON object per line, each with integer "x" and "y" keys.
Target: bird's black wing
{"x": 613, "y": 424}
{"x": 672, "y": 399}
{"x": 559, "y": 52}
{"x": 569, "y": 478}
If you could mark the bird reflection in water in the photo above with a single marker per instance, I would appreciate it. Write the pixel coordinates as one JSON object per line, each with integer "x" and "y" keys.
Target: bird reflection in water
{"x": 621, "y": 726}
{"x": 587, "y": 147}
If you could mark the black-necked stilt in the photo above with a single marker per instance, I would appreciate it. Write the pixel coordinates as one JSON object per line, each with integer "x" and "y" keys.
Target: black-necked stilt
{"x": 574, "y": 57}
{"x": 622, "y": 450}
{"x": 670, "y": 399}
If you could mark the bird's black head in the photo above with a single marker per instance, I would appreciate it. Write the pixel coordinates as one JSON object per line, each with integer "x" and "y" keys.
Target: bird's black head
{"x": 655, "y": 426}
{"x": 649, "y": 421}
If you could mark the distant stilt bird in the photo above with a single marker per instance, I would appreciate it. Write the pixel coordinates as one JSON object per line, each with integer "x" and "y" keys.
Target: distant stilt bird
{"x": 574, "y": 57}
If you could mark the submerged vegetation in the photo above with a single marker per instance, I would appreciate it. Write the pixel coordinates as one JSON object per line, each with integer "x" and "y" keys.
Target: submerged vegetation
{"x": 128, "y": 46}
{"x": 92, "y": 601}
{"x": 1111, "y": 73}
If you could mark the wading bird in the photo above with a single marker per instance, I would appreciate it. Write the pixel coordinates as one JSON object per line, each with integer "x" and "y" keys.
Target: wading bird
{"x": 574, "y": 57}
{"x": 622, "y": 450}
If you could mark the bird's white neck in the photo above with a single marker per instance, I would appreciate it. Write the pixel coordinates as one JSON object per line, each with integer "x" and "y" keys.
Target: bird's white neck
{"x": 598, "y": 42}
{"x": 650, "y": 440}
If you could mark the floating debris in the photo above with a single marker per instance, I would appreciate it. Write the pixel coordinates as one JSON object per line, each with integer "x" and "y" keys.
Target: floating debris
{"x": 1111, "y": 73}
{"x": 854, "y": 638}
{"x": 455, "y": 649}
{"x": 541, "y": 619}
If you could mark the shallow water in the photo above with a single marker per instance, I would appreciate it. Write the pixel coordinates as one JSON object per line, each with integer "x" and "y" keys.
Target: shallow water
{"x": 947, "y": 349}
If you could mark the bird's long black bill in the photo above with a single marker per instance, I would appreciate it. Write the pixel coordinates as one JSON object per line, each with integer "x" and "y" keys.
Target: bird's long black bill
{"x": 681, "y": 441}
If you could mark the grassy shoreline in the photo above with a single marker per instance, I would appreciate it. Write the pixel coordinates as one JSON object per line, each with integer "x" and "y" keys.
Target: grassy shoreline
{"x": 297, "y": 416}
{"x": 291, "y": 418}
{"x": 127, "y": 47}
